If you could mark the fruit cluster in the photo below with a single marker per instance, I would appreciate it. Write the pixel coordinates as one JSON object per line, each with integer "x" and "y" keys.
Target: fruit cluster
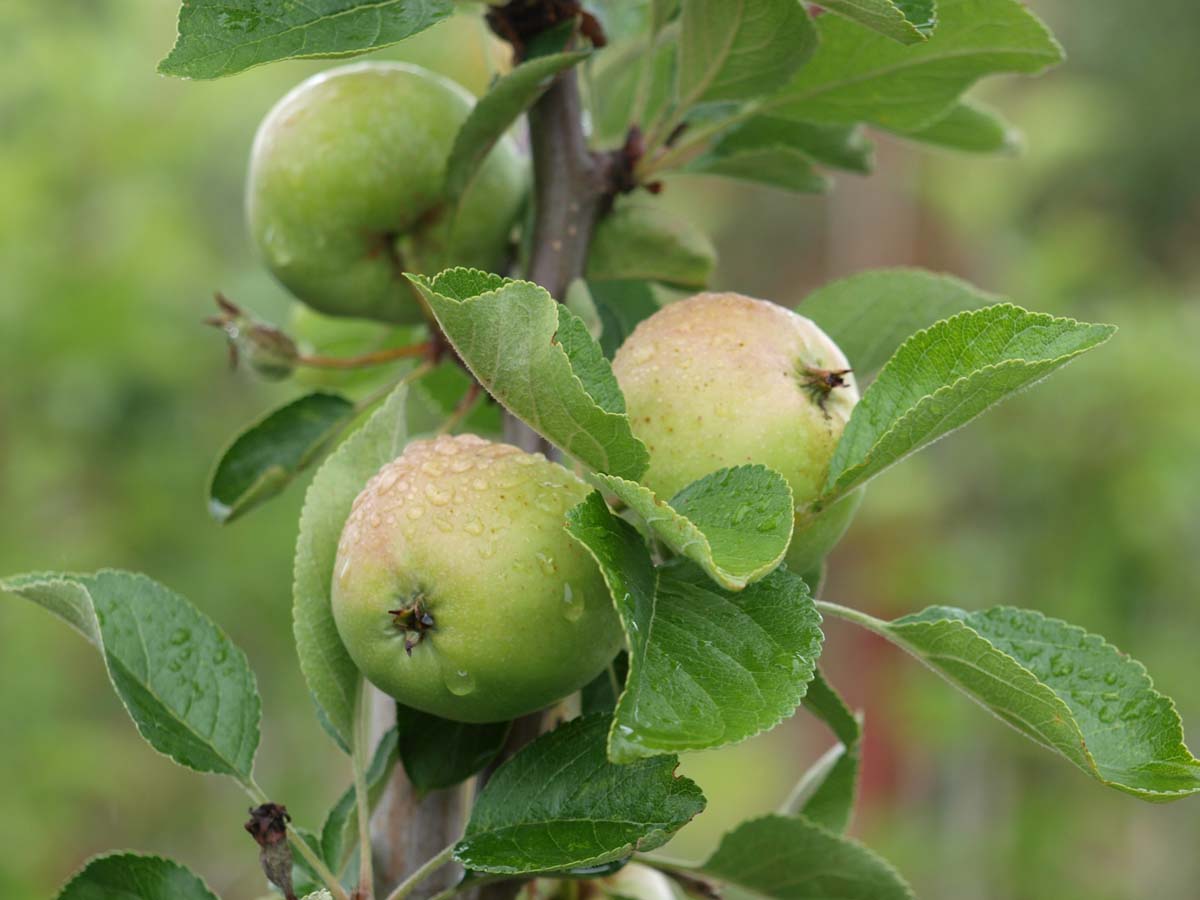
{"x": 457, "y": 589}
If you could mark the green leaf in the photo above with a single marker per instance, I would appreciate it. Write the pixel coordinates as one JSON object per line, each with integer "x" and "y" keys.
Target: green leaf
{"x": 438, "y": 753}
{"x": 780, "y": 167}
{"x": 791, "y": 858}
{"x": 1068, "y": 690}
{"x": 495, "y": 113}
{"x": 971, "y": 128}
{"x": 339, "y": 834}
{"x": 537, "y": 359}
{"x": 871, "y": 314}
{"x": 619, "y": 79}
{"x": 304, "y": 877}
{"x": 436, "y": 397}
{"x": 621, "y": 305}
{"x": 600, "y": 695}
{"x": 906, "y": 21}
{"x": 559, "y": 803}
{"x": 661, "y": 12}
{"x": 120, "y": 875}
{"x": 859, "y": 76}
{"x": 943, "y": 377}
{"x": 837, "y": 146}
{"x": 221, "y": 37}
{"x": 707, "y": 667}
{"x": 644, "y": 241}
{"x": 579, "y": 301}
{"x": 736, "y": 523}
{"x": 264, "y": 458}
{"x": 330, "y": 672}
{"x": 188, "y": 689}
{"x": 825, "y": 795}
{"x": 741, "y": 49}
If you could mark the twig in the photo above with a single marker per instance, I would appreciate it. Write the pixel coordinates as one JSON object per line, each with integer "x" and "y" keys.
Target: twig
{"x": 430, "y": 866}
{"x": 366, "y": 360}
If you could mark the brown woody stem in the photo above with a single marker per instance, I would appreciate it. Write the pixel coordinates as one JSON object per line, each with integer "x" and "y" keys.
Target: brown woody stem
{"x": 572, "y": 189}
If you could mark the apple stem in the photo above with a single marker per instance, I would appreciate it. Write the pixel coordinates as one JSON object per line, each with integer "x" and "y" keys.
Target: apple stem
{"x": 366, "y": 360}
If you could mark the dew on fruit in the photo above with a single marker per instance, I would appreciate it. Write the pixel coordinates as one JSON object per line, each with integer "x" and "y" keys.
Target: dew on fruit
{"x": 376, "y": 520}
{"x": 488, "y": 550}
{"x": 548, "y": 502}
{"x": 429, "y": 467}
{"x": 415, "y": 512}
{"x": 462, "y": 464}
{"x": 443, "y": 524}
{"x": 642, "y": 353}
{"x": 345, "y": 569}
{"x": 459, "y": 682}
{"x": 479, "y": 484}
{"x": 474, "y": 527}
{"x": 572, "y": 604}
{"x": 546, "y": 563}
{"x": 437, "y": 496}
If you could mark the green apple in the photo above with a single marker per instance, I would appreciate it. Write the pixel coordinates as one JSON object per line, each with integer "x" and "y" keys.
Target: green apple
{"x": 345, "y": 189}
{"x": 631, "y": 882}
{"x": 722, "y": 380}
{"x": 457, "y": 589}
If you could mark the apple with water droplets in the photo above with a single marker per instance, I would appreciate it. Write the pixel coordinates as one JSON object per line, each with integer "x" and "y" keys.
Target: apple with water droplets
{"x": 631, "y": 882}
{"x": 345, "y": 189}
{"x": 457, "y": 589}
{"x": 721, "y": 379}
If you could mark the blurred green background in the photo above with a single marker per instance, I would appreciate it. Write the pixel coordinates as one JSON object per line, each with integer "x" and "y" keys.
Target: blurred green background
{"x": 120, "y": 213}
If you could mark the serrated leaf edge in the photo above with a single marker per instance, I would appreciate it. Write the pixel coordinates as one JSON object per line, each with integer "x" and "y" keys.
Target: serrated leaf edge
{"x": 1094, "y": 771}
{"x": 839, "y": 487}
{"x": 823, "y": 831}
{"x": 236, "y": 510}
{"x": 708, "y": 563}
{"x": 68, "y": 578}
{"x": 427, "y": 283}
{"x": 112, "y": 854}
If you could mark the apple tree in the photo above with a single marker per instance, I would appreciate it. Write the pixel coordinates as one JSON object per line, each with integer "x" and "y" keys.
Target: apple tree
{"x": 569, "y": 511}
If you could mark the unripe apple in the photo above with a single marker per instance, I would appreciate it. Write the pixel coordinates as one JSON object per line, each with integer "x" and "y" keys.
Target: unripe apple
{"x": 457, "y": 589}
{"x": 722, "y": 380}
{"x": 345, "y": 189}
{"x": 631, "y": 882}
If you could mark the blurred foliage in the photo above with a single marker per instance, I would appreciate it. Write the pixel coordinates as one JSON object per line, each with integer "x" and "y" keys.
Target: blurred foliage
{"x": 122, "y": 213}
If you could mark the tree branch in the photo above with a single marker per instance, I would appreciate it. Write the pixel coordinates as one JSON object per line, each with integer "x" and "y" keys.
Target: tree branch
{"x": 572, "y": 189}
